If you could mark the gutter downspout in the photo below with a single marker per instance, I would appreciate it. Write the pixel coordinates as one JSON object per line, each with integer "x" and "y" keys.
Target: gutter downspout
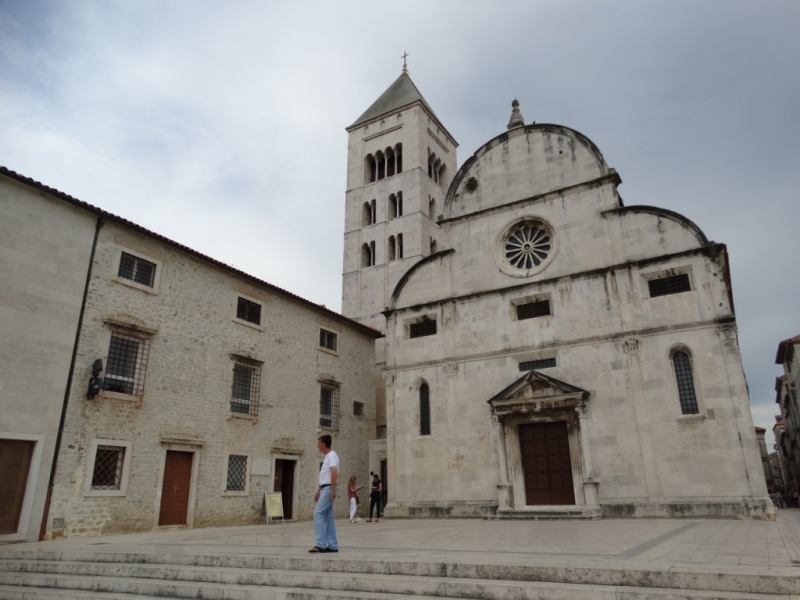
{"x": 46, "y": 513}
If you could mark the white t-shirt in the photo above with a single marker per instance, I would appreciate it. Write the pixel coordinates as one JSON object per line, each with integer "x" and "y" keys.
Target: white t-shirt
{"x": 331, "y": 460}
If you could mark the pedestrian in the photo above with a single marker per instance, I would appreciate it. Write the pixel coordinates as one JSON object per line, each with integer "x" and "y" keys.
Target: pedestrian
{"x": 324, "y": 527}
{"x": 375, "y": 497}
{"x": 352, "y": 494}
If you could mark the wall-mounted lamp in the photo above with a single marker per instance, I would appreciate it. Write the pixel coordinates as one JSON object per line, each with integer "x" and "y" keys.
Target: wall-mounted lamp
{"x": 95, "y": 382}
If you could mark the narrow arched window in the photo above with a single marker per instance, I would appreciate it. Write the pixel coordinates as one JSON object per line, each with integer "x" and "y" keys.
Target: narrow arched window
{"x": 381, "y": 159}
{"x": 367, "y": 215}
{"x": 398, "y": 153}
{"x": 390, "y": 164}
{"x": 432, "y": 208}
{"x": 399, "y": 245}
{"x": 433, "y": 246}
{"x": 683, "y": 376}
{"x": 373, "y": 206}
{"x": 372, "y": 253}
{"x": 424, "y": 410}
{"x": 391, "y": 248}
{"x": 399, "y": 204}
{"x": 371, "y": 170}
{"x": 366, "y": 256}
{"x": 392, "y": 206}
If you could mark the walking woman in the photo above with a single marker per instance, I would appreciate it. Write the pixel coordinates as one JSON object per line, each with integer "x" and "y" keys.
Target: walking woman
{"x": 375, "y": 497}
{"x": 352, "y": 493}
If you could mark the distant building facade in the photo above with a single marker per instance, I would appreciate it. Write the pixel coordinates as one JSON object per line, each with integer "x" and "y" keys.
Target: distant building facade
{"x": 787, "y": 436}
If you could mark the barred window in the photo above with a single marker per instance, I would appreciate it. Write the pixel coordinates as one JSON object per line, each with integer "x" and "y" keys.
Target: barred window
{"x": 126, "y": 363}
{"x": 422, "y": 328}
{"x": 358, "y": 409}
{"x": 531, "y": 365}
{"x": 108, "y": 462}
{"x": 327, "y": 339}
{"x": 237, "y": 473}
{"x": 245, "y": 389}
{"x": 329, "y": 406}
{"x": 248, "y": 311}
{"x": 669, "y": 285}
{"x": 530, "y": 310}
{"x": 683, "y": 375}
{"x": 424, "y": 410}
{"x": 137, "y": 269}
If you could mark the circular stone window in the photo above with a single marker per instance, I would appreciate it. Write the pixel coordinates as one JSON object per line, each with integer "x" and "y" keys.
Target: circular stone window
{"x": 525, "y": 248}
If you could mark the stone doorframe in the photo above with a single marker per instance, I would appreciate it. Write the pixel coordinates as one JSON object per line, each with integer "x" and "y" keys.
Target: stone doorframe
{"x": 537, "y": 398}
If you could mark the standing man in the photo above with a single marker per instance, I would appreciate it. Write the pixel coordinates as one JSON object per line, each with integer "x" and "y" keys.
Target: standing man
{"x": 324, "y": 527}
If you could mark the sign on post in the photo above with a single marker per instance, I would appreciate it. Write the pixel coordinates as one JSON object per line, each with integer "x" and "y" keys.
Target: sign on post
{"x": 274, "y": 502}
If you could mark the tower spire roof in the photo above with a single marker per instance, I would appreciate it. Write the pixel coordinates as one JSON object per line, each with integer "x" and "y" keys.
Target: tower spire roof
{"x": 401, "y": 93}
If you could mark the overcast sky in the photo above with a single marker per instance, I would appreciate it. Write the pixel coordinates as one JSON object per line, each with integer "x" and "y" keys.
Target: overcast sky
{"x": 221, "y": 124}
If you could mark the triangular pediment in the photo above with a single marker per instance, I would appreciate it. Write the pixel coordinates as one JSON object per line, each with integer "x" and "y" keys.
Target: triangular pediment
{"x": 535, "y": 391}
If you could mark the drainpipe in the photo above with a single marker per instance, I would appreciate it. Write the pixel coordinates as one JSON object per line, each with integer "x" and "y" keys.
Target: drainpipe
{"x": 42, "y": 530}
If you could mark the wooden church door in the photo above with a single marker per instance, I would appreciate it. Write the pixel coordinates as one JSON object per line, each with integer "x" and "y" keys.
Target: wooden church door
{"x": 544, "y": 448}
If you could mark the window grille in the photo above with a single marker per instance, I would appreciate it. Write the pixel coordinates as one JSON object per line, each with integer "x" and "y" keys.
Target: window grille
{"x": 137, "y": 269}
{"x": 669, "y": 285}
{"x": 245, "y": 388}
{"x": 248, "y": 311}
{"x": 237, "y": 473}
{"x": 327, "y": 339}
{"x": 329, "y": 406}
{"x": 531, "y": 365}
{"x": 358, "y": 409}
{"x": 126, "y": 364}
{"x": 107, "y": 473}
{"x": 422, "y": 328}
{"x": 530, "y": 310}
{"x": 683, "y": 375}
{"x": 424, "y": 410}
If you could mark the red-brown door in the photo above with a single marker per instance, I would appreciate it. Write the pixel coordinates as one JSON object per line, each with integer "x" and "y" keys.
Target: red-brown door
{"x": 175, "y": 488}
{"x": 15, "y": 462}
{"x": 546, "y": 463}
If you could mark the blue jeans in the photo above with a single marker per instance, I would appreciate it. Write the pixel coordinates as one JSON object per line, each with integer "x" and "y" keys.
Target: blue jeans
{"x": 324, "y": 527}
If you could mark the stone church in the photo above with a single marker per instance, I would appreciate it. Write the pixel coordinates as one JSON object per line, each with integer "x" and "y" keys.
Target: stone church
{"x": 549, "y": 351}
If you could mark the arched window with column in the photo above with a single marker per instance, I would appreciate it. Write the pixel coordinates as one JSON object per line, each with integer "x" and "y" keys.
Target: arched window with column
{"x": 380, "y": 158}
{"x": 390, "y": 162}
{"x": 371, "y": 170}
{"x": 393, "y": 207}
{"x": 368, "y": 255}
{"x": 390, "y": 247}
{"x": 399, "y": 204}
{"x": 399, "y": 245}
{"x": 373, "y": 256}
{"x": 682, "y": 364}
{"x": 432, "y": 208}
{"x": 398, "y": 158}
{"x": 424, "y": 410}
{"x": 373, "y": 210}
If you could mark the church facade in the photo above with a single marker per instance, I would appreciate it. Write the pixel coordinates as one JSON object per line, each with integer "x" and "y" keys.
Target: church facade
{"x": 549, "y": 351}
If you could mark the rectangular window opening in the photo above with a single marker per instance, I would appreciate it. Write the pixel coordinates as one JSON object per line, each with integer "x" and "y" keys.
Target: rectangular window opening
{"x": 248, "y": 311}
{"x": 530, "y": 310}
{"x": 237, "y": 473}
{"x": 137, "y": 269}
{"x": 245, "y": 388}
{"x": 532, "y": 365}
{"x": 126, "y": 364}
{"x": 327, "y": 339}
{"x": 107, "y": 473}
{"x": 674, "y": 284}
{"x": 422, "y": 328}
{"x": 329, "y": 406}
{"x": 358, "y": 409}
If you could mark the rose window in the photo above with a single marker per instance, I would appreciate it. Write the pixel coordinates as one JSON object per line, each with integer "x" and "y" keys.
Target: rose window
{"x": 527, "y": 246}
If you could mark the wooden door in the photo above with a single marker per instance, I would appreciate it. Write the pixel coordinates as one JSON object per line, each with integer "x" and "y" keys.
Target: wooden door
{"x": 175, "y": 488}
{"x": 15, "y": 462}
{"x": 544, "y": 448}
{"x": 284, "y": 483}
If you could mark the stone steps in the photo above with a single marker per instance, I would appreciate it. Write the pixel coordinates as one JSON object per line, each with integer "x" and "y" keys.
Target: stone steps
{"x": 131, "y": 576}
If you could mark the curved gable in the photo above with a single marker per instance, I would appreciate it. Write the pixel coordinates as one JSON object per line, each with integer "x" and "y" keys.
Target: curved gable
{"x": 522, "y": 163}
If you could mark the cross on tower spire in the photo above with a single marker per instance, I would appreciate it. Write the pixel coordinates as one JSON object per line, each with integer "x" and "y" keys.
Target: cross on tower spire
{"x": 405, "y": 66}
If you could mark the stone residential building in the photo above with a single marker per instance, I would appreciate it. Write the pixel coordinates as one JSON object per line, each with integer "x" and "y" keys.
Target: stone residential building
{"x": 788, "y": 437}
{"x": 195, "y": 387}
{"x": 549, "y": 350}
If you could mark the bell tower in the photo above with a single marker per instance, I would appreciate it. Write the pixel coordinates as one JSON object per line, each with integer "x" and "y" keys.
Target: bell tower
{"x": 400, "y": 161}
